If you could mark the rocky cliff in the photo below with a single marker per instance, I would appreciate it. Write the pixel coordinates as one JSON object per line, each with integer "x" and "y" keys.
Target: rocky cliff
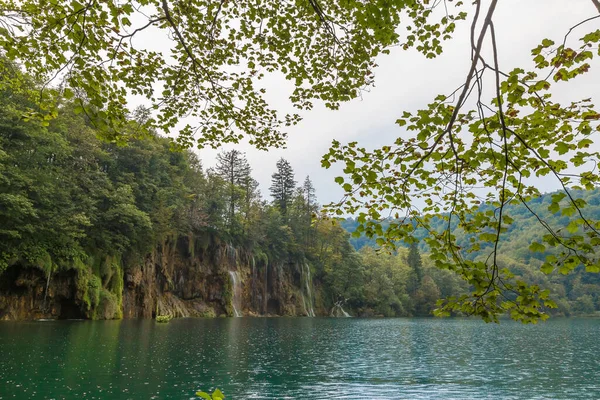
{"x": 186, "y": 277}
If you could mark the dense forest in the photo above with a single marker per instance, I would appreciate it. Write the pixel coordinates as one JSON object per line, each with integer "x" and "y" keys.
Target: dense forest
{"x": 93, "y": 211}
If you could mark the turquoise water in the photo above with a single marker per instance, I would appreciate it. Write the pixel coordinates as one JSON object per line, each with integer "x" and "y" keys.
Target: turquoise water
{"x": 301, "y": 358}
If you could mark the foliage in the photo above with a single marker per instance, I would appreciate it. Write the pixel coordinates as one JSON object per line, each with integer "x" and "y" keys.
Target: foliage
{"x": 414, "y": 262}
{"x": 95, "y": 51}
{"x": 568, "y": 289}
{"x": 216, "y": 395}
{"x": 92, "y": 50}
{"x": 451, "y": 159}
{"x": 70, "y": 201}
{"x": 115, "y": 204}
{"x": 163, "y": 319}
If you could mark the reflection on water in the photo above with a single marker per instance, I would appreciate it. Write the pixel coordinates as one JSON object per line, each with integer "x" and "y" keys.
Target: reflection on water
{"x": 300, "y": 358}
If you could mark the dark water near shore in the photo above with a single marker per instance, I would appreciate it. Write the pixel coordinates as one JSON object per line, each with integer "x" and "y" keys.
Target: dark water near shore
{"x": 301, "y": 358}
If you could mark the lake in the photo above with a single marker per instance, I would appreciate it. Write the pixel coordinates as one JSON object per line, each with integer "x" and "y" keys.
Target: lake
{"x": 301, "y": 358}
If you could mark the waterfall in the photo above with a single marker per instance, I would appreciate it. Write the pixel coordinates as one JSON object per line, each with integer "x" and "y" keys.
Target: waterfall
{"x": 47, "y": 286}
{"x": 231, "y": 253}
{"x": 236, "y": 300}
{"x": 304, "y": 301}
{"x": 338, "y": 311}
{"x": 308, "y": 283}
{"x": 266, "y": 288}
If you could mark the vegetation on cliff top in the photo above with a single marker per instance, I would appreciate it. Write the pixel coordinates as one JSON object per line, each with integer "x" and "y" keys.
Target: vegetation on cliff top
{"x": 72, "y": 202}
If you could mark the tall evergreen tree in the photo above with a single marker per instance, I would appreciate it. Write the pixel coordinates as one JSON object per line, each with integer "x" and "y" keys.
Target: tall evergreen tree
{"x": 308, "y": 191}
{"x": 233, "y": 167}
{"x": 282, "y": 186}
{"x": 310, "y": 198}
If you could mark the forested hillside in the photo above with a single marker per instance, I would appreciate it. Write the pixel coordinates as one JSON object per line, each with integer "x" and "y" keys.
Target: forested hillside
{"x": 575, "y": 293}
{"x": 94, "y": 229}
{"x": 139, "y": 227}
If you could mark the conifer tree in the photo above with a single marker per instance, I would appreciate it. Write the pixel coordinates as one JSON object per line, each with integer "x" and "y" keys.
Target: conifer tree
{"x": 233, "y": 167}
{"x": 283, "y": 185}
{"x": 308, "y": 191}
{"x": 310, "y": 198}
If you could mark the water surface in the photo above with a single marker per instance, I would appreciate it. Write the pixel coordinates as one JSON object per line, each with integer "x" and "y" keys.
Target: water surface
{"x": 301, "y": 358}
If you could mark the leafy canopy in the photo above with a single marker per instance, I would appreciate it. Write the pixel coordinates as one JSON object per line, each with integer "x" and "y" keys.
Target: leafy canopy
{"x": 452, "y": 158}
{"x": 99, "y": 52}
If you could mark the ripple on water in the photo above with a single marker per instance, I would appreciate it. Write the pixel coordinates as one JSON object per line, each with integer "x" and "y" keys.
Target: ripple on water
{"x": 301, "y": 358}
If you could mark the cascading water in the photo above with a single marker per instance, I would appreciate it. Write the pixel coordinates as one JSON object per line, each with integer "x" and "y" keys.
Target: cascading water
{"x": 236, "y": 300}
{"x": 304, "y": 304}
{"x": 302, "y": 284}
{"x": 308, "y": 283}
{"x": 231, "y": 254}
{"x": 266, "y": 288}
{"x": 338, "y": 311}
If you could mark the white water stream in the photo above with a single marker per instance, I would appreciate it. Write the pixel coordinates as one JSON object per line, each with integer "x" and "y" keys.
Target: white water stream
{"x": 338, "y": 311}
{"x": 308, "y": 283}
{"x": 236, "y": 300}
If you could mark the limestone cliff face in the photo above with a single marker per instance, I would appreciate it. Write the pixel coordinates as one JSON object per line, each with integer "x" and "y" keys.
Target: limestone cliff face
{"x": 23, "y": 295}
{"x": 177, "y": 281}
{"x": 182, "y": 278}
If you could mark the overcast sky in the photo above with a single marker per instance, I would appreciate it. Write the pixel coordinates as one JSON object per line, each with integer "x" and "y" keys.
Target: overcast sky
{"x": 405, "y": 80}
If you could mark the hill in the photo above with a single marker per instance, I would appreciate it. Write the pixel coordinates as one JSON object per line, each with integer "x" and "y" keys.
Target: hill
{"x": 575, "y": 293}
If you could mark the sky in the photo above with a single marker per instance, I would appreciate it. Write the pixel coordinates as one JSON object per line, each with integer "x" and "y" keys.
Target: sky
{"x": 406, "y": 80}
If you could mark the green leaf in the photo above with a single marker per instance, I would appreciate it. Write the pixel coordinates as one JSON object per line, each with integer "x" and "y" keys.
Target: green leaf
{"x": 593, "y": 268}
{"x": 562, "y": 148}
{"x": 537, "y": 247}
{"x": 204, "y": 395}
{"x": 573, "y": 226}
{"x": 547, "y": 42}
{"x": 68, "y": 93}
{"x": 547, "y": 268}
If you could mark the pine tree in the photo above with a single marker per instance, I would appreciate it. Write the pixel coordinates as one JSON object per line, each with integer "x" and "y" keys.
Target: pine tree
{"x": 308, "y": 191}
{"x": 233, "y": 167}
{"x": 283, "y": 185}
{"x": 310, "y": 198}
